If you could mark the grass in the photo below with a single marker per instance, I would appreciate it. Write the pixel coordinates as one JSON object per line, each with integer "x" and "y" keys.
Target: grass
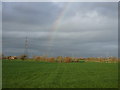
{"x": 33, "y": 74}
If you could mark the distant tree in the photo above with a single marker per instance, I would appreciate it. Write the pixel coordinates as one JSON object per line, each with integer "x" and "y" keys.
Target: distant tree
{"x": 23, "y": 57}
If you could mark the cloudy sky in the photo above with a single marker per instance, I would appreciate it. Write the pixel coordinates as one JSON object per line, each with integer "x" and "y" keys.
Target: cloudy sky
{"x": 87, "y": 29}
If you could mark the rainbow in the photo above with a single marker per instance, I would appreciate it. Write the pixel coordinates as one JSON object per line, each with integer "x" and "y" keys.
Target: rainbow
{"x": 56, "y": 25}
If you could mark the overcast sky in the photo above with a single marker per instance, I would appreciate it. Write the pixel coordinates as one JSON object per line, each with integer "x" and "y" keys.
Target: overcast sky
{"x": 87, "y": 29}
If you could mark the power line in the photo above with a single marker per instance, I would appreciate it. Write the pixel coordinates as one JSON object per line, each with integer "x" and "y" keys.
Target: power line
{"x": 26, "y": 46}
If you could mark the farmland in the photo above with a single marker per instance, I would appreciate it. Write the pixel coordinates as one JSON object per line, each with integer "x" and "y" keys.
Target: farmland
{"x": 36, "y": 74}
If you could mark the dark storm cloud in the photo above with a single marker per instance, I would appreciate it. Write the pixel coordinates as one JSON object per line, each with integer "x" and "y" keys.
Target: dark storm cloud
{"x": 29, "y": 13}
{"x": 86, "y": 29}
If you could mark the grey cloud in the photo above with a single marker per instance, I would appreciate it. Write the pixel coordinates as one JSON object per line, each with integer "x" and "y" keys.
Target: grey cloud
{"x": 86, "y": 29}
{"x": 30, "y": 13}
{"x": 107, "y": 9}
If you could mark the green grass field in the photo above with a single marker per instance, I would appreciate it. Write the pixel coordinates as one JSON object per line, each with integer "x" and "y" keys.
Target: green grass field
{"x": 33, "y": 74}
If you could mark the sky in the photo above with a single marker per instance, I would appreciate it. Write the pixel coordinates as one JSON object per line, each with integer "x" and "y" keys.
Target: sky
{"x": 78, "y": 29}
